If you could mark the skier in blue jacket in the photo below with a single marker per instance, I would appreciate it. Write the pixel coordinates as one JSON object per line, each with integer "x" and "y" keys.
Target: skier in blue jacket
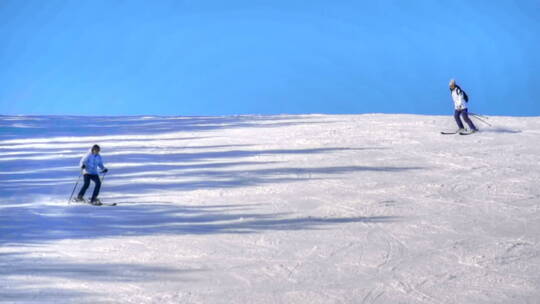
{"x": 90, "y": 164}
{"x": 460, "y": 107}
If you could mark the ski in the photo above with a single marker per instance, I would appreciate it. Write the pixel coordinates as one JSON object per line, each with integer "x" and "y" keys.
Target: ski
{"x": 467, "y": 133}
{"x": 448, "y": 133}
{"x": 106, "y": 204}
{"x": 89, "y": 203}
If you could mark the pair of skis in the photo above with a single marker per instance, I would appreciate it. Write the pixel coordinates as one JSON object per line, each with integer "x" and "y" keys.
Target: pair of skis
{"x": 459, "y": 132}
{"x": 85, "y": 201}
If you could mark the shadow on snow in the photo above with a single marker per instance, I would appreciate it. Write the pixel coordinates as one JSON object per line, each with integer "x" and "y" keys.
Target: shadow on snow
{"x": 32, "y": 226}
{"x": 174, "y": 171}
{"x": 28, "y": 127}
{"x": 27, "y": 225}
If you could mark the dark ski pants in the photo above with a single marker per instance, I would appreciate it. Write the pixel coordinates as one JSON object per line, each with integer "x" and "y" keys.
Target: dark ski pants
{"x": 465, "y": 114}
{"x": 96, "y": 180}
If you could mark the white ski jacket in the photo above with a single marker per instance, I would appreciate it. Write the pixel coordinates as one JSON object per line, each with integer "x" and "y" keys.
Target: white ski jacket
{"x": 92, "y": 162}
{"x": 459, "y": 100}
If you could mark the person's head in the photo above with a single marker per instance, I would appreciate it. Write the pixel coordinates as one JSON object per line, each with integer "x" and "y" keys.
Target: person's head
{"x": 452, "y": 84}
{"x": 95, "y": 149}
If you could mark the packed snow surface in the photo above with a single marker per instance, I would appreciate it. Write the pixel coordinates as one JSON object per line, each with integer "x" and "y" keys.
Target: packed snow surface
{"x": 271, "y": 209}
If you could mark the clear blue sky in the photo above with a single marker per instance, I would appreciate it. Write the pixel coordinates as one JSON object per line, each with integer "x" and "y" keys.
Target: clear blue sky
{"x": 214, "y": 57}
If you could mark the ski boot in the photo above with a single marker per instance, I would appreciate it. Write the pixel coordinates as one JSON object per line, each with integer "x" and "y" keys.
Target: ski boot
{"x": 79, "y": 199}
{"x": 96, "y": 202}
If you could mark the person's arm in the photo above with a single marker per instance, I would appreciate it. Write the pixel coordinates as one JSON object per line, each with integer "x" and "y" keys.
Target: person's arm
{"x": 460, "y": 99}
{"x": 84, "y": 161}
{"x": 101, "y": 166}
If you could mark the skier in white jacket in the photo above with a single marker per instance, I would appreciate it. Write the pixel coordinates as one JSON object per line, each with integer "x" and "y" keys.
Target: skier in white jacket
{"x": 460, "y": 107}
{"x": 90, "y": 164}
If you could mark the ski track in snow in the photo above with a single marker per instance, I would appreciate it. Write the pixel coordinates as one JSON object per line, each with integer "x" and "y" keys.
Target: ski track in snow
{"x": 271, "y": 209}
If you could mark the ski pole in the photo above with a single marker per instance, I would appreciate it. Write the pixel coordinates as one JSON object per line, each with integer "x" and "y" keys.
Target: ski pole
{"x": 103, "y": 178}
{"x": 478, "y": 115}
{"x": 72, "y": 192}
{"x": 480, "y": 119}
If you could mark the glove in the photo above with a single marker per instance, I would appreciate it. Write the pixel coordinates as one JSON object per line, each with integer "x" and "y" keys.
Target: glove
{"x": 105, "y": 170}
{"x": 83, "y": 166}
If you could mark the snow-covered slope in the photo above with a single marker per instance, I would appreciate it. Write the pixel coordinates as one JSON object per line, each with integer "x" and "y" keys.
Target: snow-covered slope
{"x": 271, "y": 209}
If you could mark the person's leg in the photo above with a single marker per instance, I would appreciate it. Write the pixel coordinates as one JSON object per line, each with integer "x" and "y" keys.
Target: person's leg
{"x": 457, "y": 114}
{"x": 465, "y": 114}
{"x": 97, "y": 181}
{"x": 85, "y": 186}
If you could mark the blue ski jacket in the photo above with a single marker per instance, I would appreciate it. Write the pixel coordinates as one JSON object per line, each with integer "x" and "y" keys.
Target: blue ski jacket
{"x": 92, "y": 162}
